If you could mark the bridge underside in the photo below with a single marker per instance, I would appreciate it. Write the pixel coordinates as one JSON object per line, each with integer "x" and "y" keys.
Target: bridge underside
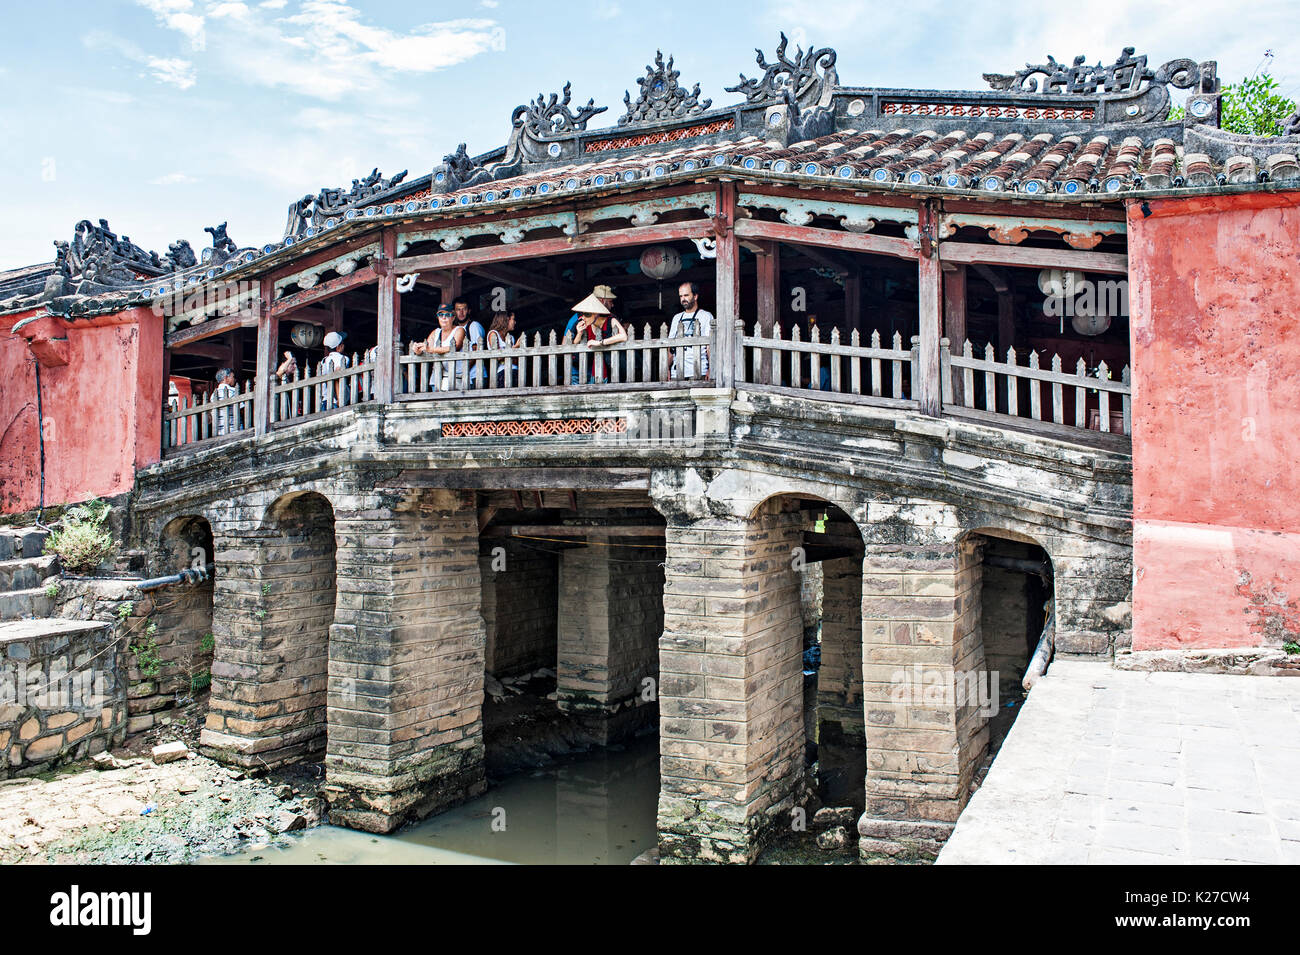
{"x": 371, "y": 572}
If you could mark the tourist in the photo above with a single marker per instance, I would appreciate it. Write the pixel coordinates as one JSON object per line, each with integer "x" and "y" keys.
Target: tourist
{"x": 288, "y": 368}
{"x": 502, "y": 335}
{"x": 598, "y": 329}
{"x": 690, "y": 322}
{"x": 446, "y": 338}
{"x": 333, "y": 393}
{"x": 606, "y": 296}
{"x": 475, "y": 337}
{"x": 225, "y": 419}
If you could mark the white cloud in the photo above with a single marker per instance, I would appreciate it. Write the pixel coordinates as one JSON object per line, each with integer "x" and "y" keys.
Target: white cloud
{"x": 172, "y": 179}
{"x": 173, "y": 71}
{"x": 176, "y": 15}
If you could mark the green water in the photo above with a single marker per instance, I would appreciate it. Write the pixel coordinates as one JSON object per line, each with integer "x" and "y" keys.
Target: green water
{"x": 597, "y": 809}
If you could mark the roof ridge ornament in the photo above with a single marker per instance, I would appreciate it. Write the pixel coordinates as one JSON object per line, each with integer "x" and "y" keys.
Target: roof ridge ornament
{"x": 798, "y": 75}
{"x": 1128, "y": 74}
{"x": 311, "y": 211}
{"x": 661, "y": 96}
{"x": 553, "y": 117}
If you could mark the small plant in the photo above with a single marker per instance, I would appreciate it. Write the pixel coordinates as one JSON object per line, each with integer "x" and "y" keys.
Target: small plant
{"x": 52, "y": 590}
{"x": 207, "y": 644}
{"x": 1291, "y": 646}
{"x": 125, "y": 609}
{"x": 146, "y": 657}
{"x": 266, "y": 590}
{"x": 260, "y": 614}
{"x": 200, "y": 680}
{"x": 82, "y": 542}
{"x": 151, "y": 629}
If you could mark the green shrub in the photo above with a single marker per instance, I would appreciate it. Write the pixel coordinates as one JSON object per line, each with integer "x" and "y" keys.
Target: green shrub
{"x": 207, "y": 644}
{"x": 146, "y": 658}
{"x": 52, "y": 590}
{"x": 82, "y": 542}
{"x": 1291, "y": 647}
{"x": 200, "y": 680}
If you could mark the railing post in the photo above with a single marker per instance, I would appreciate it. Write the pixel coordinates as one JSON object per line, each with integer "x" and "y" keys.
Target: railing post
{"x": 388, "y": 333}
{"x": 925, "y": 372}
{"x": 728, "y": 285}
{"x": 268, "y": 335}
{"x": 738, "y": 341}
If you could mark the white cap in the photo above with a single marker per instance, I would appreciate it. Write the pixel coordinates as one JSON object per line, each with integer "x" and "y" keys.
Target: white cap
{"x": 333, "y": 340}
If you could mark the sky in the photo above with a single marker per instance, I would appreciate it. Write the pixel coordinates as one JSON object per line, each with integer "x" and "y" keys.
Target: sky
{"x": 166, "y": 116}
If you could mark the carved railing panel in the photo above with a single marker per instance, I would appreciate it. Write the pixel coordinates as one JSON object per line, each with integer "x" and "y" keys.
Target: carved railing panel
{"x": 197, "y": 422}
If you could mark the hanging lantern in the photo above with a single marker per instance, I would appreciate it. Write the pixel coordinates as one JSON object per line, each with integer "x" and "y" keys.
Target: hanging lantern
{"x": 305, "y": 335}
{"x": 661, "y": 262}
{"x": 1088, "y": 319}
{"x": 1060, "y": 283}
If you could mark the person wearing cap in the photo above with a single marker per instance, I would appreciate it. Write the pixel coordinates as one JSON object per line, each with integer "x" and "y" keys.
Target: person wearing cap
{"x": 332, "y": 394}
{"x": 225, "y": 419}
{"x": 475, "y": 336}
{"x": 598, "y": 329}
{"x": 606, "y": 296}
{"x": 446, "y": 338}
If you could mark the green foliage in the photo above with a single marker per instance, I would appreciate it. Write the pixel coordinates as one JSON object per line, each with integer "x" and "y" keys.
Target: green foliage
{"x": 260, "y": 615}
{"x": 52, "y": 590}
{"x": 207, "y": 644}
{"x": 151, "y": 629}
{"x": 1291, "y": 647}
{"x": 82, "y": 541}
{"x": 146, "y": 657}
{"x": 266, "y": 590}
{"x": 125, "y": 610}
{"x": 1253, "y": 107}
{"x": 200, "y": 680}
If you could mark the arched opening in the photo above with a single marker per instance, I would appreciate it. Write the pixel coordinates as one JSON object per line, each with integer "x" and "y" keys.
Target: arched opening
{"x": 174, "y": 652}
{"x": 296, "y": 608}
{"x": 1017, "y": 598}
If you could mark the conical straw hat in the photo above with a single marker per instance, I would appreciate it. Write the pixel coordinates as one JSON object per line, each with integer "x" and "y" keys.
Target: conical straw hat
{"x": 591, "y": 306}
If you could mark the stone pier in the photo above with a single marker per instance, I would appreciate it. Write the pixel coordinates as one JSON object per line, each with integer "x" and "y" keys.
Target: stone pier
{"x": 610, "y": 619}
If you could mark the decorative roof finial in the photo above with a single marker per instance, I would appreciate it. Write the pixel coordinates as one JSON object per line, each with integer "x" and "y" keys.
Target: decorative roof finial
{"x": 661, "y": 97}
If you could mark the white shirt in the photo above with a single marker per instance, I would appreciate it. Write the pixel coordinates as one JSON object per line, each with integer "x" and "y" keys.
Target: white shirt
{"x": 332, "y": 362}
{"x": 691, "y": 325}
{"x": 225, "y": 417}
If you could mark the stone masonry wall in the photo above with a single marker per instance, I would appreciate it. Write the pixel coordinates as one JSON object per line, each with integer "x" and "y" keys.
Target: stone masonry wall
{"x": 62, "y": 694}
{"x": 520, "y": 607}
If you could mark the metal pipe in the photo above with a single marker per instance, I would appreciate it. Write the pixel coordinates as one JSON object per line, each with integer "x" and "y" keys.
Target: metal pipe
{"x": 191, "y": 575}
{"x": 1038, "y": 663}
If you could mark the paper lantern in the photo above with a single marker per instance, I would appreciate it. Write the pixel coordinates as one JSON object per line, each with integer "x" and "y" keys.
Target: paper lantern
{"x": 661, "y": 262}
{"x": 305, "y": 335}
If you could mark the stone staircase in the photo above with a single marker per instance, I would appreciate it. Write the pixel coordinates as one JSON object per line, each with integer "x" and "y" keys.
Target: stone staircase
{"x": 23, "y": 570}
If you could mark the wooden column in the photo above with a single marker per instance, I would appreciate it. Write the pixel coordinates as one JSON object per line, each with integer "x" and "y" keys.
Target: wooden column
{"x": 727, "y": 286}
{"x": 925, "y": 376}
{"x": 954, "y": 316}
{"x": 769, "y": 300}
{"x": 268, "y": 335}
{"x": 389, "y": 318}
{"x": 1006, "y": 322}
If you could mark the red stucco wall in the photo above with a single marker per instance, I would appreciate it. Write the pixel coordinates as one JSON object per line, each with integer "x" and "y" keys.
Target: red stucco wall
{"x": 1215, "y": 295}
{"x": 102, "y": 410}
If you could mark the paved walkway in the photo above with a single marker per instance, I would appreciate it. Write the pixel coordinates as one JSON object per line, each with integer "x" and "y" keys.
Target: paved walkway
{"x": 1113, "y": 766}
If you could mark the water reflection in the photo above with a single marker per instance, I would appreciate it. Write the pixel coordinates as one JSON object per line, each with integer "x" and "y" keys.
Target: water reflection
{"x": 593, "y": 809}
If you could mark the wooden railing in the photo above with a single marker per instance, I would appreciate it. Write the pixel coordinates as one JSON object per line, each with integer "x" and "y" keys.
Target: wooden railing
{"x": 989, "y": 388}
{"x": 560, "y": 365}
{"x": 196, "y": 421}
{"x": 850, "y": 372}
{"x": 293, "y": 399}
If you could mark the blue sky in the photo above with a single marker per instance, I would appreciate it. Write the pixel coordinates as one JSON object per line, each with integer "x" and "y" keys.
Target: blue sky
{"x": 165, "y": 116}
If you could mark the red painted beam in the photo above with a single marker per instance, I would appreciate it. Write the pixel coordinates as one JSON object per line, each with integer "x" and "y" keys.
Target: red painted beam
{"x": 827, "y": 238}
{"x": 343, "y": 283}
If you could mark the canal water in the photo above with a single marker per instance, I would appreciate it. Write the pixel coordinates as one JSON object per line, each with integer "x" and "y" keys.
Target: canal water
{"x": 595, "y": 809}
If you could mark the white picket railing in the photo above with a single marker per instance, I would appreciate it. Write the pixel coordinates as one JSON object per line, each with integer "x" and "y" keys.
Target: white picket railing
{"x": 303, "y": 396}
{"x": 987, "y": 386}
{"x": 195, "y": 420}
{"x": 852, "y": 371}
{"x": 559, "y": 365}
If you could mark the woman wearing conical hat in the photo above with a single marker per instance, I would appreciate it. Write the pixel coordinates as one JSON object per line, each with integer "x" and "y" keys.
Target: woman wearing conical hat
{"x": 599, "y": 329}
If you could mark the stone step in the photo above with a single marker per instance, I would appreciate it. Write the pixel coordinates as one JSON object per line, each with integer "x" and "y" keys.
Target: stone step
{"x": 25, "y": 573}
{"x": 21, "y": 542}
{"x": 20, "y": 604}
